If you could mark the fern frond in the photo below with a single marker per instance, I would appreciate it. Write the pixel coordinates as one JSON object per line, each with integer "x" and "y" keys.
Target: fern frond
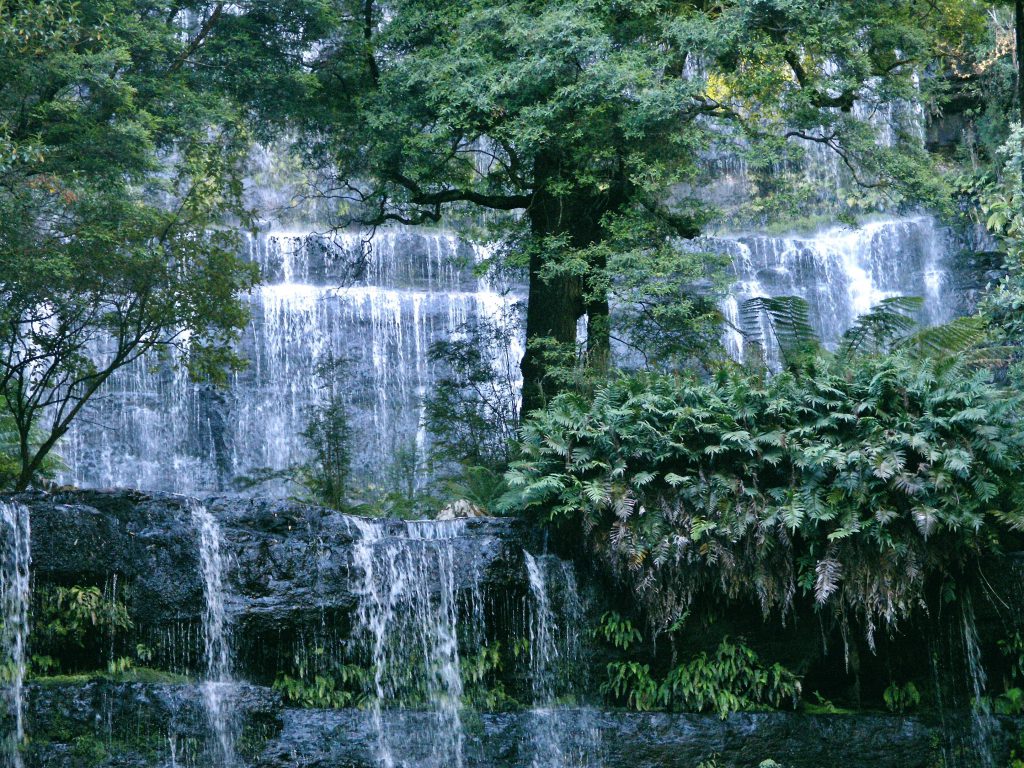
{"x": 886, "y": 322}
{"x": 789, "y": 319}
{"x": 953, "y": 338}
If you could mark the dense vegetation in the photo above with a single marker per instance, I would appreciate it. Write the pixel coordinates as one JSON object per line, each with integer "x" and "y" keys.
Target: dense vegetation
{"x": 864, "y": 483}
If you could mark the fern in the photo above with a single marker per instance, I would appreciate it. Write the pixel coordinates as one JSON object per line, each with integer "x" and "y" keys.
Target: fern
{"x": 885, "y": 322}
{"x": 953, "y": 338}
{"x": 789, "y": 320}
{"x": 852, "y": 488}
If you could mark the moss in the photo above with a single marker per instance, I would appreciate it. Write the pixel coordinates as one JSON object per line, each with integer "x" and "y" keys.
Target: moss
{"x": 134, "y": 675}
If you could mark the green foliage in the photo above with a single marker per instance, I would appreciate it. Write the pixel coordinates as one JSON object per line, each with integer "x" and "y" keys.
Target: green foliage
{"x": 482, "y": 486}
{"x": 823, "y": 706}
{"x": 10, "y": 460}
{"x": 631, "y": 682}
{"x": 76, "y": 615}
{"x": 121, "y": 160}
{"x": 328, "y": 438}
{"x": 1010, "y": 702}
{"x": 732, "y": 680}
{"x": 321, "y": 681}
{"x": 483, "y": 688}
{"x": 592, "y": 120}
{"x": 344, "y": 687}
{"x": 901, "y": 699}
{"x": 999, "y": 202}
{"x": 888, "y": 326}
{"x": 617, "y": 631}
{"x": 854, "y": 485}
{"x": 471, "y": 413}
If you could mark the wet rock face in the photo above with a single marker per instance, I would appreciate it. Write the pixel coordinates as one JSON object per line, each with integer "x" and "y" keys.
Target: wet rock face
{"x": 88, "y": 537}
{"x": 289, "y": 567}
{"x": 343, "y": 739}
{"x": 142, "y": 725}
{"x": 134, "y": 725}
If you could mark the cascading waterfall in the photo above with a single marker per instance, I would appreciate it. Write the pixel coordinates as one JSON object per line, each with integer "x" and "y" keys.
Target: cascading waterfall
{"x": 841, "y": 272}
{"x": 554, "y": 649}
{"x": 408, "y": 617}
{"x": 14, "y": 599}
{"x": 217, "y": 687}
{"x": 378, "y": 307}
{"x": 983, "y": 725}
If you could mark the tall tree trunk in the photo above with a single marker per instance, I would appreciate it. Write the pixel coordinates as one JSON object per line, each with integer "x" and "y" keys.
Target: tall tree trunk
{"x": 557, "y": 303}
{"x": 554, "y": 306}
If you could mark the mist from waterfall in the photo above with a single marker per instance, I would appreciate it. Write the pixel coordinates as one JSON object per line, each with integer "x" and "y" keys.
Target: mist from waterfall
{"x": 14, "y": 602}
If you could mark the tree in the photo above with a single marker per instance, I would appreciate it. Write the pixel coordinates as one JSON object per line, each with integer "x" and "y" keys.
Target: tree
{"x": 576, "y": 116}
{"x": 328, "y": 437}
{"x": 121, "y": 160}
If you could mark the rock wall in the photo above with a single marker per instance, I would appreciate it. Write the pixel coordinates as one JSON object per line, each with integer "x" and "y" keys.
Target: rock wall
{"x": 148, "y": 726}
{"x": 292, "y": 588}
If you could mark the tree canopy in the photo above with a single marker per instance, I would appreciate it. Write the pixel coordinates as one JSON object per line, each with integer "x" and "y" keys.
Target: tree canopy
{"x": 122, "y": 149}
{"x": 590, "y": 120}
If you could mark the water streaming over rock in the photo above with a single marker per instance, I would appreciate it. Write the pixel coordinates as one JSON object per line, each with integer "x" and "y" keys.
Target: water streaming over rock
{"x": 14, "y": 602}
{"x": 983, "y": 724}
{"x": 217, "y": 686}
{"x": 841, "y": 272}
{"x": 409, "y": 616}
{"x": 378, "y": 307}
{"x": 558, "y": 741}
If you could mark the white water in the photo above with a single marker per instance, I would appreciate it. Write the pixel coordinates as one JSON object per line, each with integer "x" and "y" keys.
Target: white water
{"x": 983, "y": 723}
{"x": 408, "y": 616}
{"x": 217, "y": 686}
{"x": 841, "y": 272}
{"x": 14, "y": 600}
{"x": 555, "y": 634}
{"x": 379, "y": 306}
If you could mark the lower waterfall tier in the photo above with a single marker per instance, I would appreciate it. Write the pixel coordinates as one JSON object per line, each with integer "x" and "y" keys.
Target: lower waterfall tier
{"x": 160, "y": 726}
{"x": 169, "y": 632}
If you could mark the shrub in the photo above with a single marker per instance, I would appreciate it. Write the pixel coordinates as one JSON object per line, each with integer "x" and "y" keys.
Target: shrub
{"x": 855, "y": 485}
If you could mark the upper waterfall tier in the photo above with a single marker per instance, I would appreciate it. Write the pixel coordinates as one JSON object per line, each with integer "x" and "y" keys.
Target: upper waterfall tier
{"x": 392, "y": 258}
{"x": 841, "y": 272}
{"x": 376, "y": 306}
{"x": 379, "y": 307}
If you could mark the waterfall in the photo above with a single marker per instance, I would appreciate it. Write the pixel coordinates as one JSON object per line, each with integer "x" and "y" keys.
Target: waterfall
{"x": 14, "y": 598}
{"x": 841, "y": 272}
{"x": 983, "y": 724}
{"x": 379, "y": 306}
{"x": 408, "y": 617}
{"x": 554, "y": 649}
{"x": 217, "y": 687}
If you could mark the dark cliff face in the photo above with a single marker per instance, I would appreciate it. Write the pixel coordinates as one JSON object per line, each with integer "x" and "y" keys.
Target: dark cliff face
{"x": 288, "y": 567}
{"x": 291, "y": 579}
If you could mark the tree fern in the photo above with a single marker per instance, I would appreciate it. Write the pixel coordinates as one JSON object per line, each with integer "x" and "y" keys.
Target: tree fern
{"x": 789, "y": 320}
{"x": 888, "y": 320}
{"x": 953, "y": 338}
